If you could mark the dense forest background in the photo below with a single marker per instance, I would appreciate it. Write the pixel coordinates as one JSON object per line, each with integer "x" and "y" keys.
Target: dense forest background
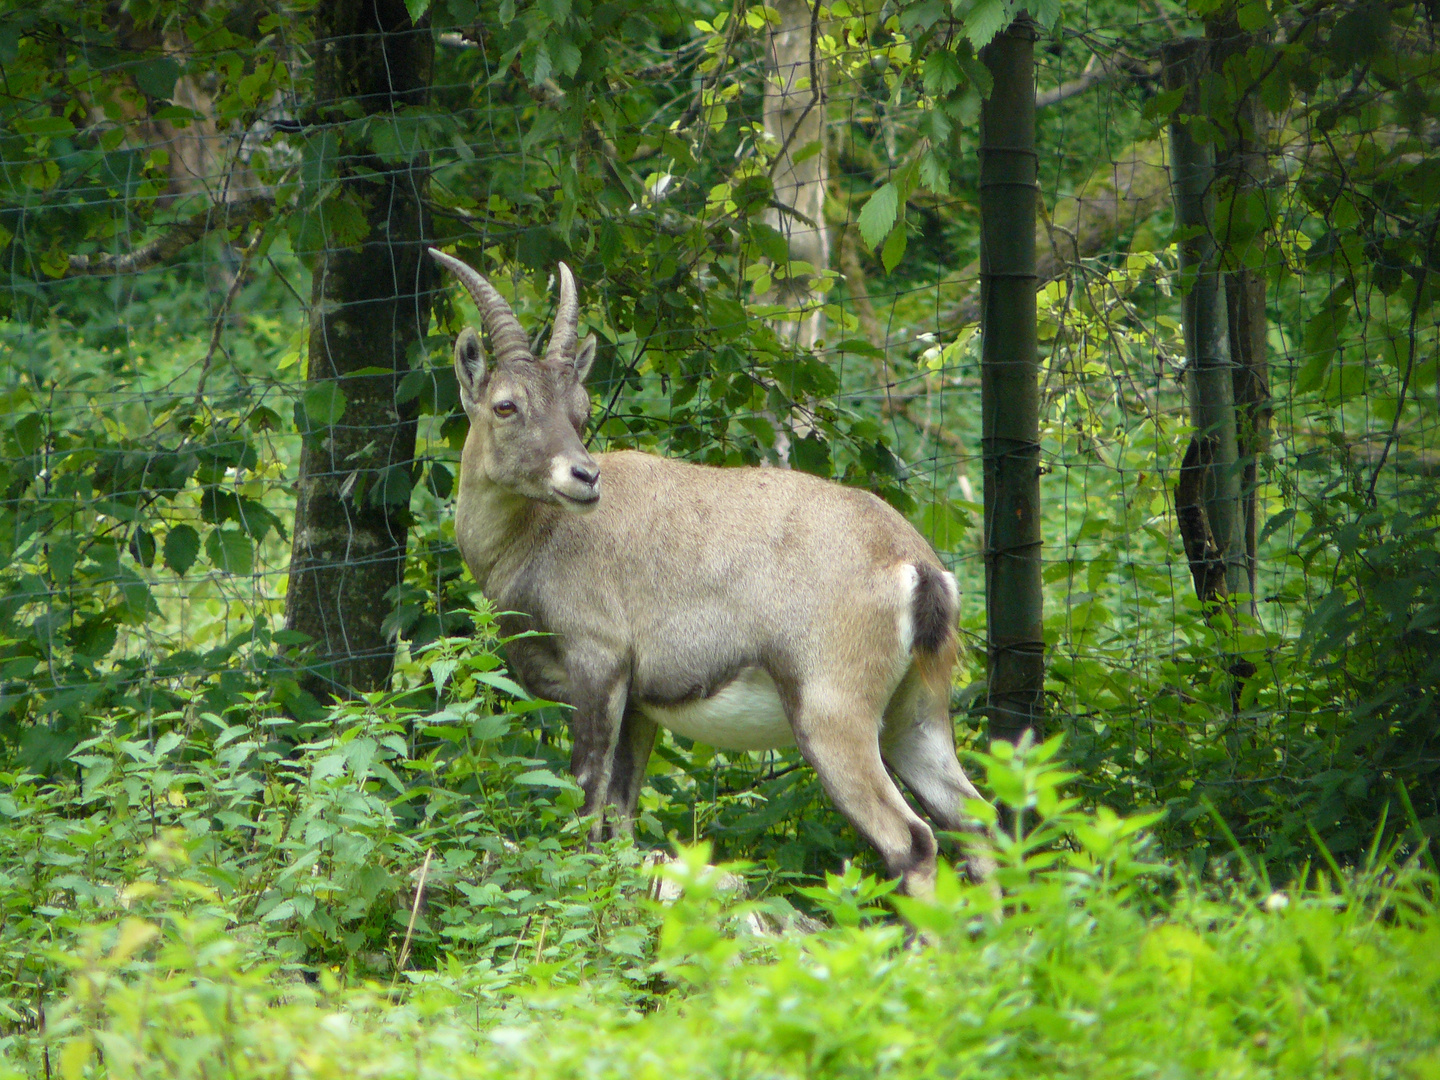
{"x": 245, "y": 681}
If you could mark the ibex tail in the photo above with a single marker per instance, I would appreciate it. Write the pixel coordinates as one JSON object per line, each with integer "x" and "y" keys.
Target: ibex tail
{"x": 935, "y": 643}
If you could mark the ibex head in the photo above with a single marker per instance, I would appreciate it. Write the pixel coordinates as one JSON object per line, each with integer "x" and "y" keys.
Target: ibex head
{"x": 527, "y": 415}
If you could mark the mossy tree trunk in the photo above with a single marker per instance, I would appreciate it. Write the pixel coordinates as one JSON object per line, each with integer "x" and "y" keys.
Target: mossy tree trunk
{"x": 1010, "y": 388}
{"x": 1208, "y": 495}
{"x": 370, "y": 310}
{"x": 1241, "y": 169}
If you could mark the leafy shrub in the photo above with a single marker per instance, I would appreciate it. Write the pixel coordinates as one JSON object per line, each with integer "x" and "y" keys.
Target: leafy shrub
{"x": 1097, "y": 958}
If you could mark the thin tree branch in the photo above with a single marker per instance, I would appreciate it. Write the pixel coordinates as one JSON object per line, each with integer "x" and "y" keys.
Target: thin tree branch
{"x": 1420, "y": 282}
{"x": 180, "y": 236}
{"x": 1096, "y": 72}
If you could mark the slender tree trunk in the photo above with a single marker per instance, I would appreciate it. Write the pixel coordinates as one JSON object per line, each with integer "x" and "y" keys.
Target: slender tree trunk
{"x": 1010, "y": 388}
{"x": 795, "y": 98}
{"x": 1208, "y": 497}
{"x": 795, "y": 113}
{"x": 370, "y": 308}
{"x": 1241, "y": 170}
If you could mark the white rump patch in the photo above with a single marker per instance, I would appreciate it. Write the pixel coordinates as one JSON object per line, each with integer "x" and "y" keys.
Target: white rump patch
{"x": 905, "y": 618}
{"x": 745, "y": 714}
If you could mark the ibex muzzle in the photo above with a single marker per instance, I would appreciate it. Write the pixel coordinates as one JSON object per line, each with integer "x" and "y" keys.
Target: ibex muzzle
{"x": 744, "y": 608}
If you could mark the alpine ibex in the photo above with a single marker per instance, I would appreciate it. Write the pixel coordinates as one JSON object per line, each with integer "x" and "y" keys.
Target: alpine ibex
{"x": 744, "y": 608}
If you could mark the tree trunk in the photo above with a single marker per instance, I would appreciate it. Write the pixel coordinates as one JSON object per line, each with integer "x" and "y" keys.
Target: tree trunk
{"x": 1208, "y": 496}
{"x": 795, "y": 96}
{"x": 370, "y": 308}
{"x": 1010, "y": 388}
{"x": 795, "y": 104}
{"x": 1241, "y": 170}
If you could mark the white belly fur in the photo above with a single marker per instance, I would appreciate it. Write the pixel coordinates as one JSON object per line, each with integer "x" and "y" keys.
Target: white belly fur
{"x": 745, "y": 715}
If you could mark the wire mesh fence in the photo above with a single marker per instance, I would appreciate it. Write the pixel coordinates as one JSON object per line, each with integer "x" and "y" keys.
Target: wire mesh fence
{"x": 167, "y": 221}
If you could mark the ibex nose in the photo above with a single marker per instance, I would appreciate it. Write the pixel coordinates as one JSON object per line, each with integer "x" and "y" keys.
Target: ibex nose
{"x": 588, "y": 475}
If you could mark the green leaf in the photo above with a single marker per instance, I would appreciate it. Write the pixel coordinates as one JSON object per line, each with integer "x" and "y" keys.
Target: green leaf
{"x": 770, "y": 242}
{"x": 894, "y": 249}
{"x": 142, "y": 546}
{"x": 985, "y": 19}
{"x": 877, "y": 217}
{"x": 325, "y": 404}
{"x": 942, "y": 73}
{"x": 934, "y": 174}
{"x": 1276, "y": 523}
{"x": 27, "y": 432}
{"x": 417, "y": 9}
{"x": 1046, "y": 12}
{"x": 490, "y": 727}
{"x": 46, "y": 127}
{"x": 182, "y": 544}
{"x": 978, "y": 74}
{"x": 542, "y": 778}
{"x": 156, "y": 78}
{"x": 230, "y": 550}
{"x": 812, "y": 454}
{"x": 1312, "y": 373}
{"x": 501, "y": 683}
{"x": 566, "y": 55}
{"x": 1252, "y": 16}
{"x": 1162, "y": 104}
{"x": 283, "y": 910}
{"x": 392, "y": 486}
{"x": 540, "y": 65}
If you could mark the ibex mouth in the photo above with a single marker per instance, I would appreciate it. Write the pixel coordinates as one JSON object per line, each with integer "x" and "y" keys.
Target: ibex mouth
{"x": 579, "y": 505}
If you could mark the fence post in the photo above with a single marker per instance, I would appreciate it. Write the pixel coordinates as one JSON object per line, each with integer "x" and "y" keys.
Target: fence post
{"x": 1010, "y": 388}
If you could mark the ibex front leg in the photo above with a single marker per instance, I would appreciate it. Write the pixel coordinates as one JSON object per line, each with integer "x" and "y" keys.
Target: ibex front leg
{"x": 594, "y": 733}
{"x": 627, "y": 773}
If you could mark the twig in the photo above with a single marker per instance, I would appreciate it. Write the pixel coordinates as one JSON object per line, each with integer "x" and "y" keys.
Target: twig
{"x": 737, "y": 15}
{"x": 520, "y": 940}
{"x": 224, "y": 313}
{"x": 414, "y": 912}
{"x": 1409, "y": 362}
{"x": 40, "y": 1023}
{"x": 181, "y": 235}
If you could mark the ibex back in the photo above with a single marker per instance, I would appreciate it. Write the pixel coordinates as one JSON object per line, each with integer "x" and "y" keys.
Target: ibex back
{"x": 744, "y": 608}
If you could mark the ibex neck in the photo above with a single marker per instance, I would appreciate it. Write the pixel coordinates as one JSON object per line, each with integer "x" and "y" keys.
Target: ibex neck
{"x": 489, "y": 521}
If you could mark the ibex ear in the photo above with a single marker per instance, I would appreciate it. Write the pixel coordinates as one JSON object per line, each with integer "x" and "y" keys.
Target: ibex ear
{"x": 470, "y": 368}
{"x": 584, "y": 357}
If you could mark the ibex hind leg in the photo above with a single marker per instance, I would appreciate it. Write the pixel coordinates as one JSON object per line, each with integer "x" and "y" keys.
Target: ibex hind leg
{"x": 918, "y": 744}
{"x": 841, "y": 741}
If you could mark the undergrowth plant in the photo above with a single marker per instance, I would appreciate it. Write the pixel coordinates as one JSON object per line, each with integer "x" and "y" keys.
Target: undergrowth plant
{"x": 1093, "y": 955}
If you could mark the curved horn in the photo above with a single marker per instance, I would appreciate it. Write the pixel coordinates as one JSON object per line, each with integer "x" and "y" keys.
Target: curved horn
{"x": 567, "y": 319}
{"x": 507, "y": 336}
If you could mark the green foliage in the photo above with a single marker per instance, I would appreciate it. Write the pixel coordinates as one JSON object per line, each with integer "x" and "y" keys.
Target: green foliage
{"x": 145, "y": 525}
{"x": 1097, "y": 957}
{"x": 315, "y": 838}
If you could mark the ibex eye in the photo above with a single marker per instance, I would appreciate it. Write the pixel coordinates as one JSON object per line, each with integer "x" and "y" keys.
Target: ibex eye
{"x": 504, "y": 408}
